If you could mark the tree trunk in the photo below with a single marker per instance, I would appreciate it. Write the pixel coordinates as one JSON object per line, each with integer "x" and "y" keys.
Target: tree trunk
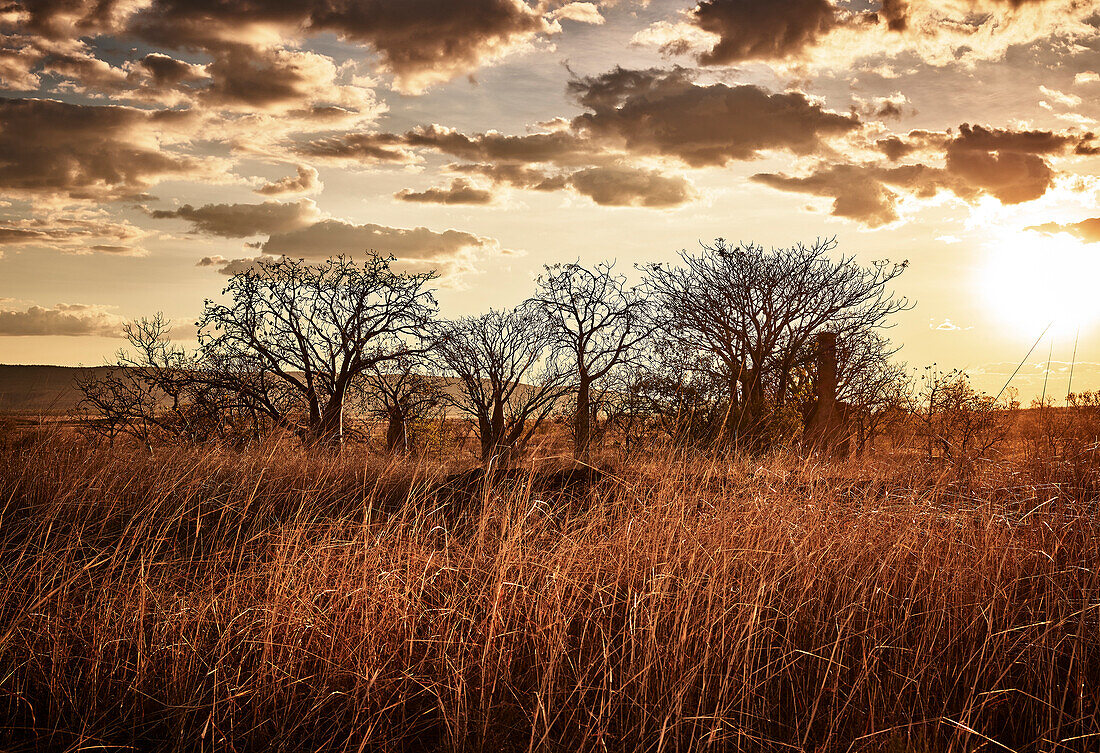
{"x": 329, "y": 429}
{"x": 492, "y": 433}
{"x": 582, "y": 421}
{"x": 752, "y": 416}
{"x": 396, "y": 439}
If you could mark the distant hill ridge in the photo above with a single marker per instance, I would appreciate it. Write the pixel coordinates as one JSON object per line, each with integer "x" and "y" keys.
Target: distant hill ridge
{"x": 41, "y": 390}
{"x": 50, "y": 391}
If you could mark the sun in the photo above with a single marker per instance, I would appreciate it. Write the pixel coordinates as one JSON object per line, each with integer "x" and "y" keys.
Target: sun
{"x": 1035, "y": 280}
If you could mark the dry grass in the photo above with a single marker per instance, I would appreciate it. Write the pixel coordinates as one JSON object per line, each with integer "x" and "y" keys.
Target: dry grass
{"x": 268, "y": 600}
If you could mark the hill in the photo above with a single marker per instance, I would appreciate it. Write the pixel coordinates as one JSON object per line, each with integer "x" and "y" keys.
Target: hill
{"x": 50, "y": 391}
{"x": 41, "y": 390}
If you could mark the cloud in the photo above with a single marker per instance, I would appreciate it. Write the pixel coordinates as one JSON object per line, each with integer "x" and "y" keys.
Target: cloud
{"x": 229, "y": 266}
{"x": 449, "y": 251}
{"x": 1062, "y": 98}
{"x": 835, "y": 35}
{"x": 946, "y": 326}
{"x": 243, "y": 220}
{"x": 63, "y": 319}
{"x": 981, "y": 138}
{"x": 753, "y": 30}
{"x": 618, "y": 185}
{"x": 92, "y": 152}
{"x": 305, "y": 182}
{"x": 167, "y": 71}
{"x": 607, "y": 185}
{"x": 559, "y": 147}
{"x": 889, "y": 107}
{"x": 859, "y": 192}
{"x": 1087, "y": 230}
{"x": 631, "y": 113}
{"x": 663, "y": 113}
{"x": 360, "y": 149}
{"x": 461, "y": 191}
{"x": 585, "y": 13}
{"x": 520, "y": 176}
{"x": 281, "y": 81}
{"x": 421, "y": 42}
{"x": 1010, "y": 165}
{"x": 1012, "y": 177}
{"x": 1084, "y": 372}
{"x": 627, "y": 186}
{"x": 79, "y": 231}
{"x": 332, "y": 237}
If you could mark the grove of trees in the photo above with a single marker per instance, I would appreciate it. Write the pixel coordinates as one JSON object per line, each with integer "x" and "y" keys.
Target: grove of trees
{"x": 716, "y": 350}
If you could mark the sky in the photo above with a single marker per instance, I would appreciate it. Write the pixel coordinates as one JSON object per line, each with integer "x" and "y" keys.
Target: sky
{"x": 149, "y": 148}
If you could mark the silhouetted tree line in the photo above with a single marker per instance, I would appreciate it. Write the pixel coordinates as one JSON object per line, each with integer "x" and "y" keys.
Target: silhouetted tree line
{"x": 714, "y": 351}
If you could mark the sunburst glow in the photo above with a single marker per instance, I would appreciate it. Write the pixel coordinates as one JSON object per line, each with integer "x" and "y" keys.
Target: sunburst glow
{"x": 1037, "y": 279}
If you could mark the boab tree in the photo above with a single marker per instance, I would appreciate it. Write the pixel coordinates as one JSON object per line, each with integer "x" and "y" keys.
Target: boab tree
{"x": 156, "y": 391}
{"x": 597, "y": 324}
{"x": 507, "y": 370}
{"x": 402, "y": 394}
{"x": 306, "y": 331}
{"x": 751, "y": 312}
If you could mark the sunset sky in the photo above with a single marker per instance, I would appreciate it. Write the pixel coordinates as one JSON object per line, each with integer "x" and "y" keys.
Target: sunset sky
{"x": 150, "y": 147}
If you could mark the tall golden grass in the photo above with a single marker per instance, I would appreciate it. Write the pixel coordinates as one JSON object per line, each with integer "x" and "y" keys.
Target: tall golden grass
{"x": 269, "y": 599}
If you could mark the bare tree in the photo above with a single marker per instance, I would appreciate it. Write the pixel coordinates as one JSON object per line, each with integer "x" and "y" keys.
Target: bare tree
{"x": 300, "y": 333}
{"x": 597, "y": 323}
{"x": 751, "y": 312}
{"x": 402, "y": 394}
{"x": 154, "y": 390}
{"x": 963, "y": 423}
{"x": 509, "y": 375}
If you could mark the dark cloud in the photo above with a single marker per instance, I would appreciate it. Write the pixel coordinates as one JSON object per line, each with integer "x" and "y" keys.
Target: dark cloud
{"x": 982, "y": 139}
{"x": 858, "y": 191}
{"x": 243, "y": 220}
{"x": 275, "y": 79}
{"x": 167, "y": 71}
{"x": 63, "y": 319}
{"x": 419, "y": 41}
{"x": 1087, "y": 230}
{"x": 83, "y": 151}
{"x": 1012, "y": 177}
{"x": 361, "y": 148}
{"x": 607, "y": 185}
{"x": 559, "y": 147}
{"x": 331, "y": 237}
{"x": 58, "y": 19}
{"x": 228, "y": 266}
{"x": 658, "y": 112}
{"x": 520, "y": 176}
{"x": 895, "y": 148}
{"x": 1010, "y": 165}
{"x": 627, "y": 186}
{"x": 431, "y": 40}
{"x": 18, "y": 236}
{"x": 306, "y": 181}
{"x": 896, "y": 14}
{"x": 755, "y": 30}
{"x": 108, "y": 248}
{"x": 460, "y": 191}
